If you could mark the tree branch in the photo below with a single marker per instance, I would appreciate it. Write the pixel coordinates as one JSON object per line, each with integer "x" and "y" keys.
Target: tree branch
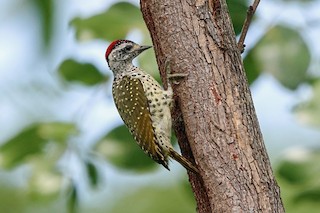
{"x": 245, "y": 28}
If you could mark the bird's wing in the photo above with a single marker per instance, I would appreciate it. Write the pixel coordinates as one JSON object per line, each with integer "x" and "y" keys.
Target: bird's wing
{"x": 133, "y": 108}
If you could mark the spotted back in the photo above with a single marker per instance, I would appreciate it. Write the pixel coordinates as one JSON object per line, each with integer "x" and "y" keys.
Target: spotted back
{"x": 132, "y": 104}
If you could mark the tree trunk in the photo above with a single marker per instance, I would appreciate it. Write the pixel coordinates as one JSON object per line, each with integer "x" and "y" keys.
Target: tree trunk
{"x": 214, "y": 115}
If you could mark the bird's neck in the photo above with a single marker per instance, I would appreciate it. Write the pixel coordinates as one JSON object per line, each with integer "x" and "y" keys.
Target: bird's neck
{"x": 120, "y": 68}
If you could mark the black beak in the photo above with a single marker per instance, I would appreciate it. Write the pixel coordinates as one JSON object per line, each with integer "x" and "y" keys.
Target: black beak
{"x": 143, "y": 48}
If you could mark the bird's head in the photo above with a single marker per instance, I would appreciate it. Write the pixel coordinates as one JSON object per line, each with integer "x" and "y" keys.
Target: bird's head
{"x": 120, "y": 53}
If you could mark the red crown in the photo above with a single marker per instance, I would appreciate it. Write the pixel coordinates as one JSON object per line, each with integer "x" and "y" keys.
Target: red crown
{"x": 113, "y": 45}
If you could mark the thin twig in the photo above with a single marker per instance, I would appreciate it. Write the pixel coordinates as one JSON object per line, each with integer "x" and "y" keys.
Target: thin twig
{"x": 245, "y": 28}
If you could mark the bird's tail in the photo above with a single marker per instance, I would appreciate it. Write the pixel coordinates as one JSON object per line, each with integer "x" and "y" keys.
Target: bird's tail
{"x": 183, "y": 161}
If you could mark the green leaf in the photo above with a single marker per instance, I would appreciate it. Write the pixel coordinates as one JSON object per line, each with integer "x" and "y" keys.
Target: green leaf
{"x": 298, "y": 178}
{"x": 16, "y": 150}
{"x": 252, "y": 67}
{"x": 308, "y": 112}
{"x": 74, "y": 71}
{"x": 46, "y": 11}
{"x": 57, "y": 131}
{"x": 73, "y": 199}
{"x": 113, "y": 24}
{"x": 173, "y": 198}
{"x": 312, "y": 195}
{"x": 120, "y": 148}
{"x": 283, "y": 53}
{"x": 13, "y": 198}
{"x": 238, "y": 11}
{"x": 45, "y": 182}
{"x": 32, "y": 141}
{"x": 292, "y": 172}
{"x": 92, "y": 173}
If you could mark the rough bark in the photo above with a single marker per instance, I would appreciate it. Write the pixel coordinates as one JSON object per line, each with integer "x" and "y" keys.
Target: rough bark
{"x": 214, "y": 116}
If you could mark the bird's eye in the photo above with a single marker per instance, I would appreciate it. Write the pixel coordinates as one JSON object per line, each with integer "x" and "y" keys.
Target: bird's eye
{"x": 128, "y": 48}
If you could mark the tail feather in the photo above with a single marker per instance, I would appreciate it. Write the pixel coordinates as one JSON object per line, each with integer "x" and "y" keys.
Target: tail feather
{"x": 183, "y": 161}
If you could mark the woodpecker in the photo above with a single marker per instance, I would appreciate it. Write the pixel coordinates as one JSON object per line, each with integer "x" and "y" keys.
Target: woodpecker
{"x": 142, "y": 103}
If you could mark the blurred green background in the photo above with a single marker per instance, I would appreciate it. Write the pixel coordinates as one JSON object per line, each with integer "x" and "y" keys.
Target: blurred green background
{"x": 63, "y": 146}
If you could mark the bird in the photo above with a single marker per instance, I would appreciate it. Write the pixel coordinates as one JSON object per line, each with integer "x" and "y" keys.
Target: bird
{"x": 144, "y": 106}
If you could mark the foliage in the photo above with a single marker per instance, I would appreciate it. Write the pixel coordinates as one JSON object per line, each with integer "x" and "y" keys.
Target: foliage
{"x": 146, "y": 199}
{"x": 281, "y": 51}
{"x": 308, "y": 112}
{"x": 45, "y": 9}
{"x": 112, "y": 24}
{"x": 74, "y": 71}
{"x": 300, "y": 183}
{"x": 33, "y": 142}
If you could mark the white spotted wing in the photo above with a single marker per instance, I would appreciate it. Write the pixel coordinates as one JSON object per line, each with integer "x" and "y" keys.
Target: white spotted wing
{"x": 132, "y": 104}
